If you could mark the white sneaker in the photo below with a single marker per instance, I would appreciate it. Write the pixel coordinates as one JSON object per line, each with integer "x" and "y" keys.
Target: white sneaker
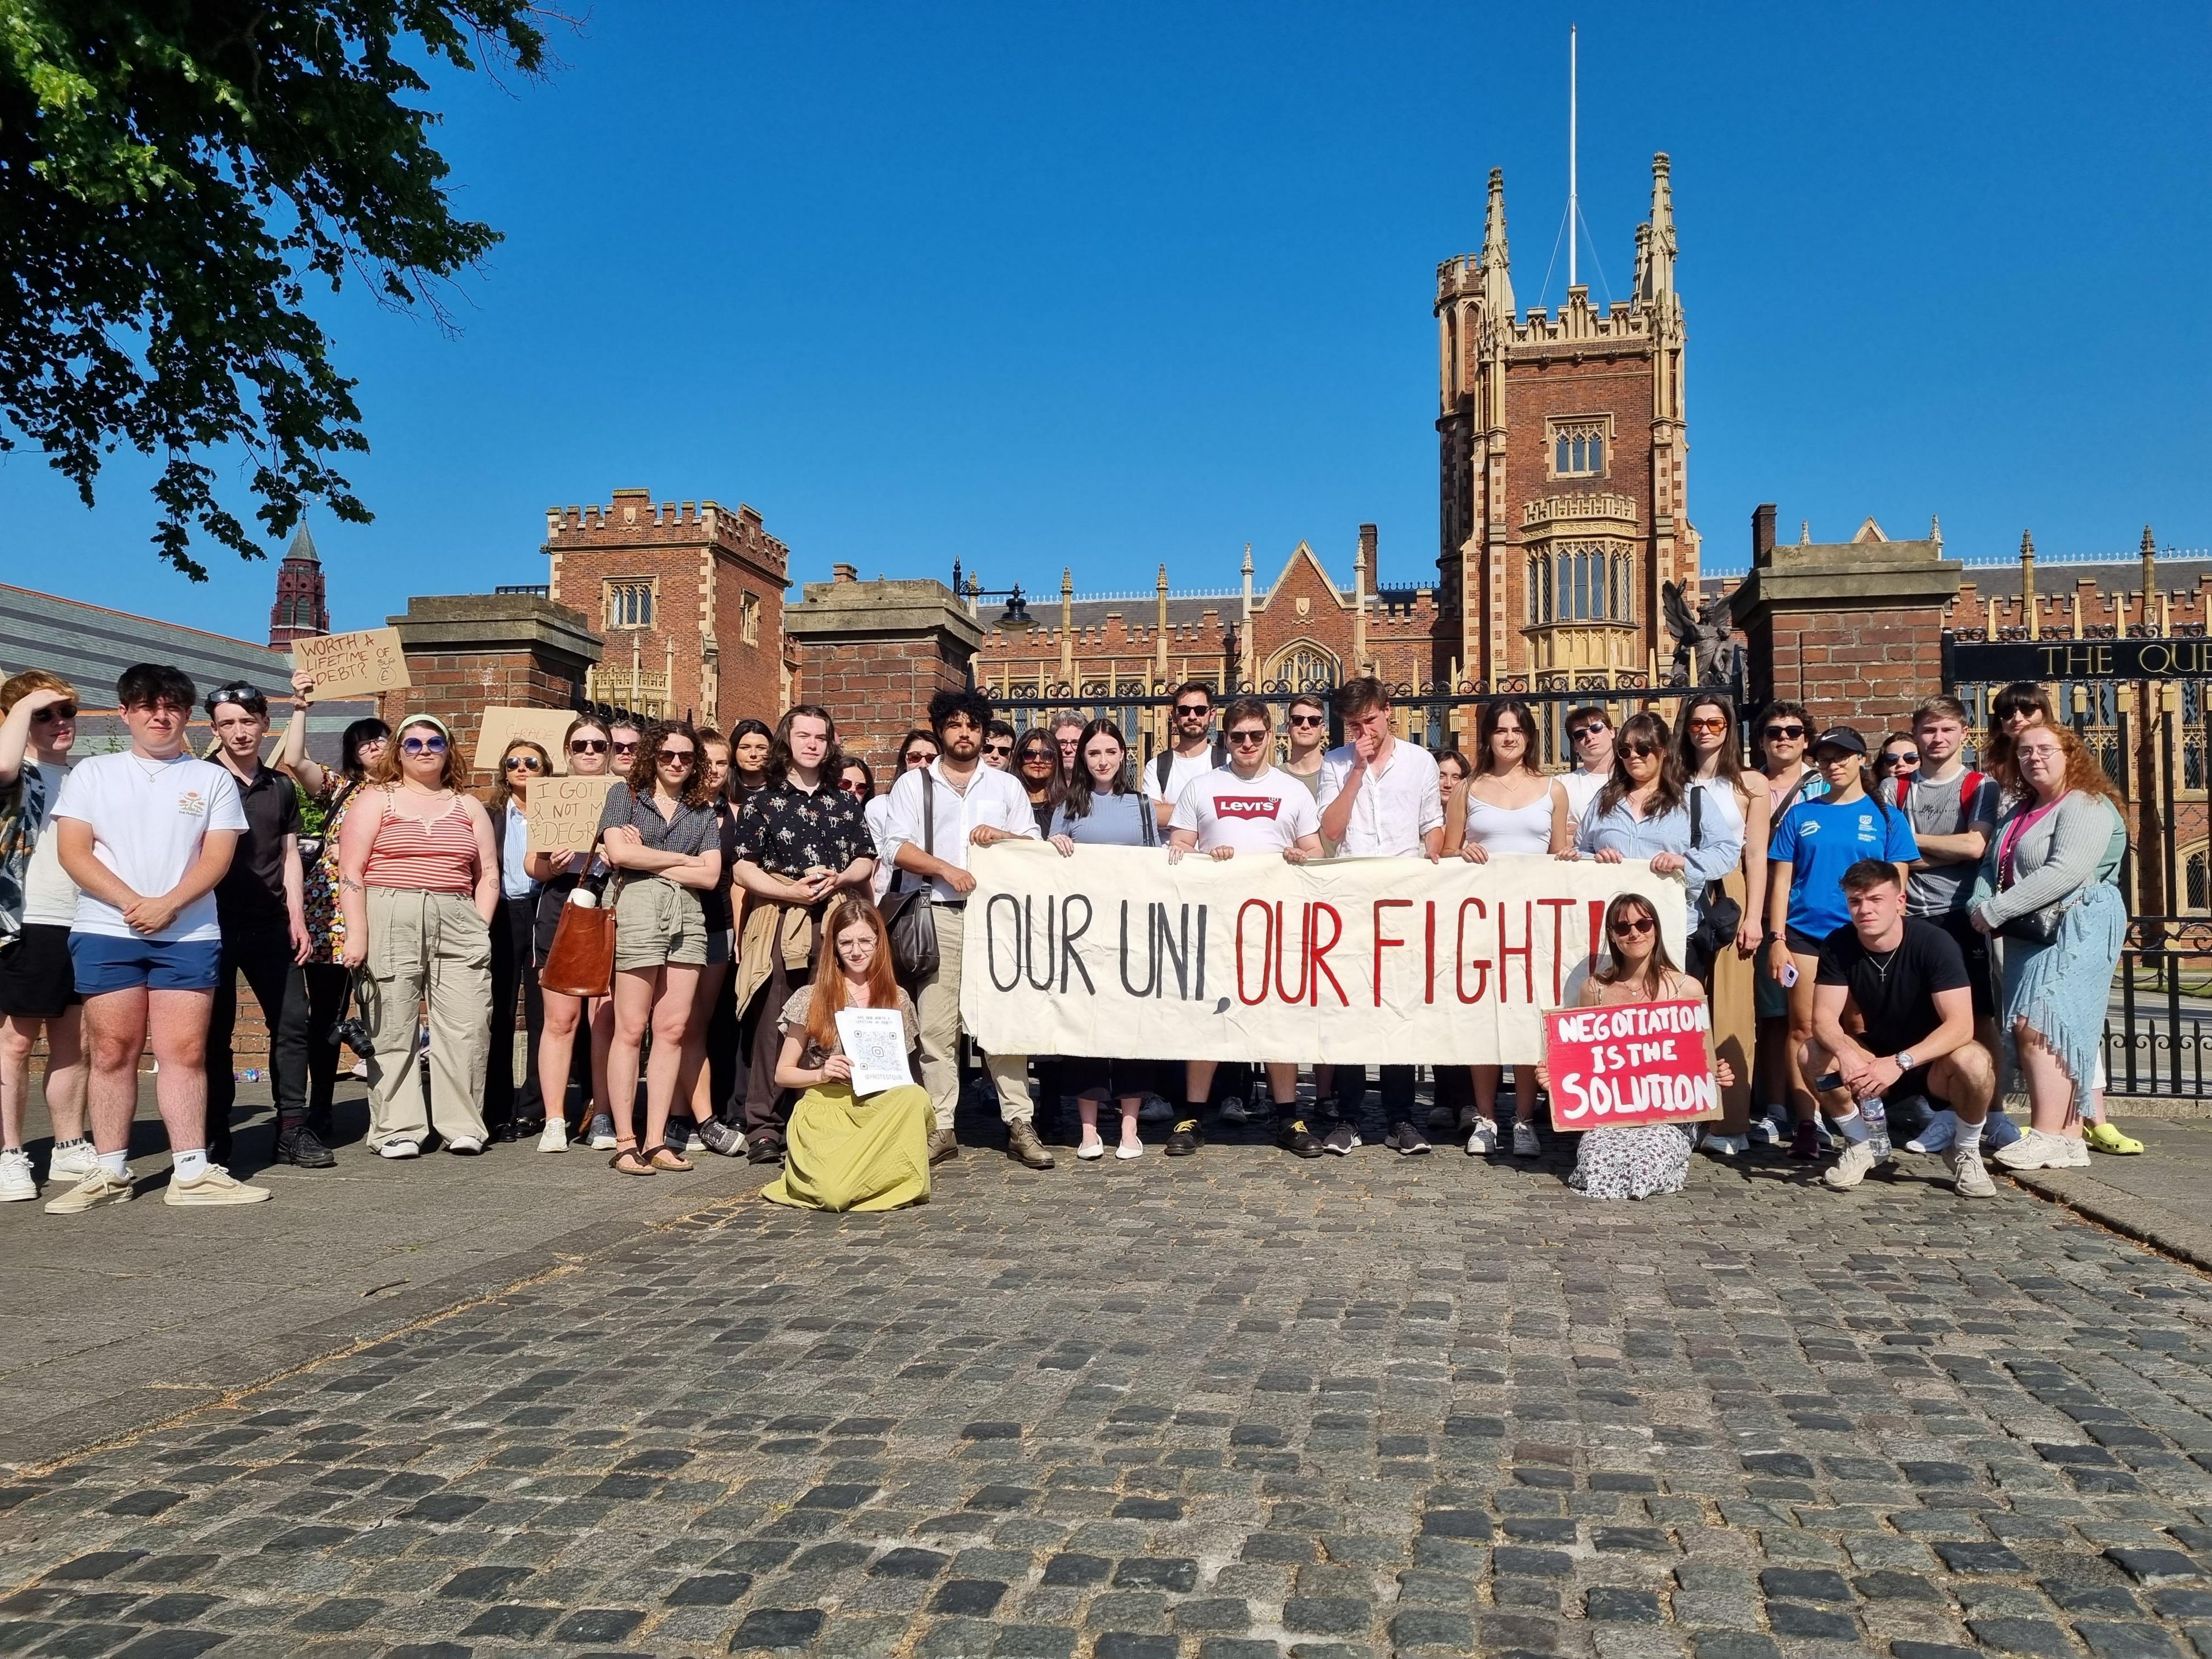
{"x": 1525, "y": 1144}
{"x": 1727, "y": 1146}
{"x": 1967, "y": 1175}
{"x": 72, "y": 1161}
{"x": 601, "y": 1134}
{"x": 554, "y": 1136}
{"x": 216, "y": 1185}
{"x": 399, "y": 1149}
{"x": 1482, "y": 1140}
{"x": 465, "y": 1145}
{"x": 2037, "y": 1150}
{"x": 1767, "y": 1130}
{"x": 1851, "y": 1167}
{"x": 96, "y": 1188}
{"x": 17, "y": 1184}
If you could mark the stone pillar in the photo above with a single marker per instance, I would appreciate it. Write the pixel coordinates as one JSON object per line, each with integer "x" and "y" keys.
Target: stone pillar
{"x": 873, "y": 654}
{"x": 466, "y": 651}
{"x": 1854, "y": 630}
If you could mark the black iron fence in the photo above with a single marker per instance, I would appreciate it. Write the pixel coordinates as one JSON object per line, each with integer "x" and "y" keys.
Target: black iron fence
{"x": 2158, "y": 1025}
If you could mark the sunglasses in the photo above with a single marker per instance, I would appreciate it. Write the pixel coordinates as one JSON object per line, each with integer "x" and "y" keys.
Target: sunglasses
{"x": 1040, "y": 758}
{"x": 1632, "y": 927}
{"x": 60, "y": 711}
{"x": 852, "y": 786}
{"x": 673, "y": 756}
{"x": 523, "y": 764}
{"x": 998, "y": 749}
{"x": 1711, "y": 723}
{"x": 1193, "y": 708}
{"x": 1305, "y": 719}
{"x": 1640, "y": 749}
{"x": 1784, "y": 732}
{"x": 917, "y": 758}
{"x": 589, "y": 745}
{"x": 241, "y": 695}
{"x": 1582, "y": 731}
{"x": 626, "y": 749}
{"x": 2013, "y": 711}
{"x": 1901, "y": 757}
{"x": 1243, "y": 738}
{"x": 430, "y": 746}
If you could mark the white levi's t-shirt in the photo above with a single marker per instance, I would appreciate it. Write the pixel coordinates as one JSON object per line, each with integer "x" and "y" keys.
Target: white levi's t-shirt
{"x": 1266, "y": 814}
{"x": 148, "y": 819}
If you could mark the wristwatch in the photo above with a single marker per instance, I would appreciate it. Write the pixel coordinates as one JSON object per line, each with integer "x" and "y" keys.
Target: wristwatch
{"x": 1904, "y": 1058}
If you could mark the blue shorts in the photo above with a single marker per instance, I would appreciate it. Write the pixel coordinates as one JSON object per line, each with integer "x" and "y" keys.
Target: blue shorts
{"x": 104, "y": 962}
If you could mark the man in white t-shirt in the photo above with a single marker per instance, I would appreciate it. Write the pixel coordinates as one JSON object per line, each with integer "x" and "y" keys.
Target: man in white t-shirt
{"x": 37, "y": 901}
{"x": 1190, "y": 755}
{"x": 1250, "y": 805}
{"x": 146, "y": 834}
{"x": 1589, "y": 740}
{"x": 1379, "y": 799}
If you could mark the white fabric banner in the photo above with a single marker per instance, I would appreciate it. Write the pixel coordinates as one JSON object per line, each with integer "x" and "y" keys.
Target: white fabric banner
{"x": 1115, "y": 952}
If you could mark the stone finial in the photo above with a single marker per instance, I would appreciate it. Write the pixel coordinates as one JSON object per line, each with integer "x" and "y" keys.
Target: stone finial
{"x": 1497, "y": 283}
{"x": 1067, "y": 580}
{"x": 2149, "y": 543}
{"x": 2026, "y": 548}
{"x": 1162, "y": 584}
{"x": 1659, "y": 266}
{"x": 1804, "y": 532}
{"x": 1936, "y": 530}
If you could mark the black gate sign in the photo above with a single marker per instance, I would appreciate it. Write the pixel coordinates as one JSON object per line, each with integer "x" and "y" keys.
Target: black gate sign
{"x": 1975, "y": 663}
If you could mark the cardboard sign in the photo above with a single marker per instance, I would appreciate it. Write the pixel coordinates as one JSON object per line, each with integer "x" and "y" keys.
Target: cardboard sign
{"x": 501, "y": 725}
{"x": 564, "y": 814}
{"x": 352, "y": 665}
{"x": 1634, "y": 1063}
{"x": 1116, "y": 952}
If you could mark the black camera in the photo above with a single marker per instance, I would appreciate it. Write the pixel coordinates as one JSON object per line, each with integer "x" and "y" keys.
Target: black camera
{"x": 352, "y": 1030}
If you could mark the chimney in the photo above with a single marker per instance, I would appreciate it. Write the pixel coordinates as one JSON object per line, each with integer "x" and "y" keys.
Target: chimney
{"x": 1762, "y": 534}
{"x": 844, "y": 573}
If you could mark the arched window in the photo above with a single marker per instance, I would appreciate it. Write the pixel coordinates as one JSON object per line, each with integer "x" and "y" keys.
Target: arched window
{"x": 1303, "y": 663}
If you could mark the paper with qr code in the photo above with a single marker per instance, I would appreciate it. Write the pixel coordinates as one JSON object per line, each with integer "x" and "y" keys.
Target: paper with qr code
{"x": 874, "y": 1040}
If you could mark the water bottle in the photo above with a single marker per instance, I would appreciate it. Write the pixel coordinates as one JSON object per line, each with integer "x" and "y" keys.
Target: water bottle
{"x": 1876, "y": 1114}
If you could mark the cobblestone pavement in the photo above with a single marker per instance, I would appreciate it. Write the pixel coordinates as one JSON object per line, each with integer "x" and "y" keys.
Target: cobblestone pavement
{"x": 1231, "y": 1407}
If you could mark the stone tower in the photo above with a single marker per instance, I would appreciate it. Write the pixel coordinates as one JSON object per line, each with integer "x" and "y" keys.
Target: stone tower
{"x": 1560, "y": 464}
{"x": 301, "y": 611}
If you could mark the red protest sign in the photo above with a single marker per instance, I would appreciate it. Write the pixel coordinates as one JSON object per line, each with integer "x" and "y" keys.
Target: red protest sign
{"x": 1634, "y": 1063}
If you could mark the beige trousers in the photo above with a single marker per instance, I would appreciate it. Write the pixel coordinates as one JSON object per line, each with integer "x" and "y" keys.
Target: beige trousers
{"x": 433, "y": 943}
{"x": 937, "y": 1002}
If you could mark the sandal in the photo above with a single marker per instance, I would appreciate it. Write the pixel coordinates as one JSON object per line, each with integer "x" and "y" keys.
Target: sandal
{"x": 635, "y": 1165}
{"x": 667, "y": 1157}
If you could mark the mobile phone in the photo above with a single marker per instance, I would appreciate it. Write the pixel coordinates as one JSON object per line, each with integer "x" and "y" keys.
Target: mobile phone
{"x": 1789, "y": 975}
{"x": 1828, "y": 1081}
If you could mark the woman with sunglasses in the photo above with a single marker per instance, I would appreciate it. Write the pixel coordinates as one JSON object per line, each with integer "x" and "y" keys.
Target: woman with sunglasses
{"x": 1896, "y": 766}
{"x": 1735, "y": 801}
{"x": 589, "y": 747}
{"x": 333, "y": 789}
{"x": 917, "y": 748}
{"x": 1780, "y": 736}
{"x": 1509, "y": 806}
{"x": 1037, "y": 768}
{"x": 2012, "y": 711}
{"x": 659, "y": 832}
{"x": 714, "y": 1030}
{"x": 514, "y": 1114}
{"x": 419, "y": 885}
{"x": 1647, "y": 1159}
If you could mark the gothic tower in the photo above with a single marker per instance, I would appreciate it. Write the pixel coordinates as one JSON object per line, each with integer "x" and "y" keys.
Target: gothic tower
{"x": 300, "y": 611}
{"x": 1562, "y": 508}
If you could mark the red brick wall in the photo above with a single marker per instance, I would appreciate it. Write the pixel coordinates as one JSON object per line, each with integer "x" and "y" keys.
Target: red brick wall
{"x": 1863, "y": 668}
{"x": 876, "y": 692}
{"x": 457, "y": 686}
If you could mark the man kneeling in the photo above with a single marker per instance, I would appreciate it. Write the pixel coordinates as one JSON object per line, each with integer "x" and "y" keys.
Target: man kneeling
{"x": 1907, "y": 981}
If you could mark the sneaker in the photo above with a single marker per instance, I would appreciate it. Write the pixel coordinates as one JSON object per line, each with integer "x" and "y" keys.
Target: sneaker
{"x": 1727, "y": 1146}
{"x": 554, "y": 1136}
{"x": 1482, "y": 1139}
{"x": 1968, "y": 1177}
{"x": 72, "y": 1160}
{"x": 1185, "y": 1141}
{"x": 1770, "y": 1128}
{"x": 1295, "y": 1138}
{"x": 2104, "y": 1138}
{"x": 601, "y": 1134}
{"x": 1155, "y": 1110}
{"x": 2037, "y": 1150}
{"x": 1340, "y": 1139}
{"x": 17, "y": 1184}
{"x": 465, "y": 1145}
{"x": 717, "y": 1137}
{"x": 399, "y": 1149}
{"x": 96, "y": 1188}
{"x": 1805, "y": 1143}
{"x": 216, "y": 1185}
{"x": 1407, "y": 1140}
{"x": 1851, "y": 1167}
{"x": 943, "y": 1147}
{"x": 1941, "y": 1130}
{"x": 1998, "y": 1131}
{"x": 302, "y": 1148}
{"x": 1233, "y": 1110}
{"x": 1525, "y": 1144}
{"x": 1025, "y": 1149}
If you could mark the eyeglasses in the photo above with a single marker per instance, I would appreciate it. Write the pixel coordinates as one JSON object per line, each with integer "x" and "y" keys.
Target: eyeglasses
{"x": 1711, "y": 723}
{"x": 523, "y": 764}
{"x": 1640, "y": 749}
{"x": 1784, "y": 732}
{"x": 60, "y": 711}
{"x": 1305, "y": 719}
{"x": 1242, "y": 738}
{"x": 1633, "y": 926}
{"x": 1193, "y": 708}
{"x": 1578, "y": 733}
{"x": 673, "y": 756}
{"x": 589, "y": 745}
{"x": 852, "y": 786}
{"x": 430, "y": 745}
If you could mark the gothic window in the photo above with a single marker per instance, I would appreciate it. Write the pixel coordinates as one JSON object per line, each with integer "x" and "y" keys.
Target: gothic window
{"x": 2197, "y": 897}
{"x": 1578, "y": 446}
{"x": 629, "y": 602}
{"x": 1303, "y": 664}
{"x": 748, "y": 619}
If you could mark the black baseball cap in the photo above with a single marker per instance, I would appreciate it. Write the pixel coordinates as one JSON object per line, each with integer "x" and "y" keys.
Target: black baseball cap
{"x": 1840, "y": 736}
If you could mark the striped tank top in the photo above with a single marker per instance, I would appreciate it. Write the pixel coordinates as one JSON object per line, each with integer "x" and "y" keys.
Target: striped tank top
{"x": 437, "y": 857}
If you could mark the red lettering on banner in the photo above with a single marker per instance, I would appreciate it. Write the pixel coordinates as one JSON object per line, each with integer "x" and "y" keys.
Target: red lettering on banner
{"x": 1245, "y": 806}
{"x": 1317, "y": 953}
{"x": 1459, "y": 954}
{"x": 1526, "y": 952}
{"x": 1559, "y": 908}
{"x": 1630, "y": 1063}
{"x": 1381, "y": 905}
{"x": 1267, "y": 917}
{"x": 1283, "y": 949}
{"x": 1597, "y": 928}
{"x": 1429, "y": 952}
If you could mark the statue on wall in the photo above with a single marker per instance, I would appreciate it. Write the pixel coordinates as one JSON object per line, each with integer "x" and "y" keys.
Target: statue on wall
{"x": 1705, "y": 637}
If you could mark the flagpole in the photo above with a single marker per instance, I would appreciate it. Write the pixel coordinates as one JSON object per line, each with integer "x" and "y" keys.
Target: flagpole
{"x": 1574, "y": 211}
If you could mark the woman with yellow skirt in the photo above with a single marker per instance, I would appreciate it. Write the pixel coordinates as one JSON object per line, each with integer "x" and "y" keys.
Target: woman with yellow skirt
{"x": 844, "y": 1152}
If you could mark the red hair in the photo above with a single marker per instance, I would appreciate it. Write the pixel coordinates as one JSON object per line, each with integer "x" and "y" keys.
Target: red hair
{"x": 829, "y": 972}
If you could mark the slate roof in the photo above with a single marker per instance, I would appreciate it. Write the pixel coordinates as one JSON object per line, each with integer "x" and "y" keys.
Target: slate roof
{"x": 89, "y": 646}
{"x": 2058, "y": 576}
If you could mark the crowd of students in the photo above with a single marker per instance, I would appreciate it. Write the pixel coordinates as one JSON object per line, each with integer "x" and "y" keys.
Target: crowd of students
{"x": 1875, "y": 934}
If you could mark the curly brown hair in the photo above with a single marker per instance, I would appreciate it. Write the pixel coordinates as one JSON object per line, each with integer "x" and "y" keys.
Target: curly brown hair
{"x": 644, "y": 770}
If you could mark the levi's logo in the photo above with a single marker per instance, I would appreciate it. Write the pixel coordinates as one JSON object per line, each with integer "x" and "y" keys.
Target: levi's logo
{"x": 1246, "y": 807}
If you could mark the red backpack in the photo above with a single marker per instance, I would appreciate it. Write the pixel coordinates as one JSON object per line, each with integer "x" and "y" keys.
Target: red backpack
{"x": 1969, "y": 784}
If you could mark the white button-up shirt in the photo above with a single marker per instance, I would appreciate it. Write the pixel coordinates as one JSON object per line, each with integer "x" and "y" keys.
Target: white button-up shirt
{"x": 1396, "y": 806}
{"x": 993, "y": 797}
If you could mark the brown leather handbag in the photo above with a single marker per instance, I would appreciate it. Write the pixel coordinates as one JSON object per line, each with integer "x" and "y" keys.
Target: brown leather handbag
{"x": 581, "y": 960}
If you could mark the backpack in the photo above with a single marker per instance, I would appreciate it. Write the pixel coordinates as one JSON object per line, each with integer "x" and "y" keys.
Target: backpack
{"x": 1969, "y": 784}
{"x": 1164, "y": 764}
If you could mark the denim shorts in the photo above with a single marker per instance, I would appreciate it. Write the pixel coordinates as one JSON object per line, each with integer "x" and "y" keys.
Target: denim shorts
{"x": 104, "y": 962}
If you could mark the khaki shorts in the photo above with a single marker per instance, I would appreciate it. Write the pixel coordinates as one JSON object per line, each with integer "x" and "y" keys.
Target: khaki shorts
{"x": 657, "y": 922}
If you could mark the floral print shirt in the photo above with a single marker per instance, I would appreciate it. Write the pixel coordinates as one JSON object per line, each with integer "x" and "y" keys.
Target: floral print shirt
{"x": 787, "y": 831}
{"x": 319, "y": 869}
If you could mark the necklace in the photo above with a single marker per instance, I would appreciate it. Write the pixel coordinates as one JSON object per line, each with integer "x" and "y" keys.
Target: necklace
{"x": 159, "y": 766}
{"x": 1883, "y": 964}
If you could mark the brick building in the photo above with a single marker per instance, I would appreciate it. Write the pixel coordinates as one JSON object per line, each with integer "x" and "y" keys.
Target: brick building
{"x": 301, "y": 609}
{"x": 688, "y": 599}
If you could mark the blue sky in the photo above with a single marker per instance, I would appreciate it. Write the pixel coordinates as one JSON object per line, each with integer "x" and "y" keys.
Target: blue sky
{"x": 1041, "y": 285}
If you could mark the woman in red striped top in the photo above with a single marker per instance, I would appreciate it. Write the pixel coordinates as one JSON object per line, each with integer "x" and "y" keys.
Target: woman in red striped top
{"x": 418, "y": 882}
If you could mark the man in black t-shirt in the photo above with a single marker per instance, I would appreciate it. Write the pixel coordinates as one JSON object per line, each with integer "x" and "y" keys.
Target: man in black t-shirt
{"x": 1907, "y": 981}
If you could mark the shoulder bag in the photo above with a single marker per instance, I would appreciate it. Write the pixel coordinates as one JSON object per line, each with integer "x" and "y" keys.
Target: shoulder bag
{"x": 909, "y": 916}
{"x": 1719, "y": 916}
{"x": 581, "y": 962}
